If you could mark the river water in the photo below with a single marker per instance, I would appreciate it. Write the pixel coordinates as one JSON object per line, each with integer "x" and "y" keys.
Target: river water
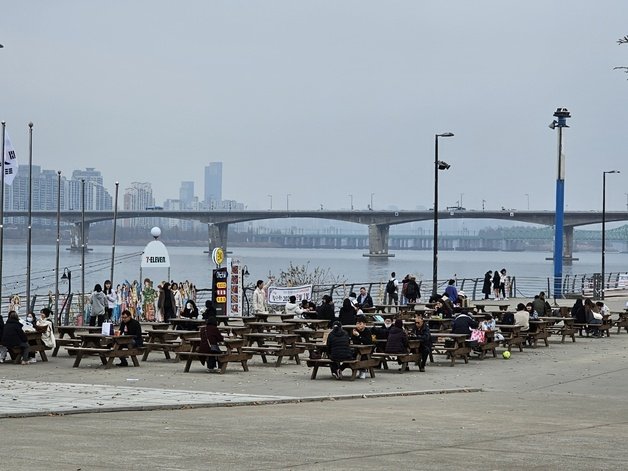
{"x": 191, "y": 263}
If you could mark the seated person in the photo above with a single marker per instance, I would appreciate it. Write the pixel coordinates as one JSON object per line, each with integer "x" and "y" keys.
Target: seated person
{"x": 381, "y": 333}
{"x": 522, "y": 317}
{"x": 421, "y": 332}
{"x": 364, "y": 299}
{"x": 210, "y": 310}
{"x": 451, "y": 291}
{"x": 13, "y": 336}
{"x": 326, "y": 310}
{"x": 292, "y": 307}
{"x": 189, "y": 312}
{"x": 593, "y": 317}
{"x": 308, "y": 309}
{"x": 463, "y": 323}
{"x": 444, "y": 308}
{"x": 44, "y": 325}
{"x": 338, "y": 349}
{"x": 130, "y": 326}
{"x": 361, "y": 335}
{"x": 578, "y": 313}
{"x": 397, "y": 341}
{"x": 489, "y": 324}
{"x": 347, "y": 314}
{"x": 210, "y": 338}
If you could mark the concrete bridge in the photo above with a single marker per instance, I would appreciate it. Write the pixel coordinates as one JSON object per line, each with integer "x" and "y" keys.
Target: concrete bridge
{"x": 378, "y": 222}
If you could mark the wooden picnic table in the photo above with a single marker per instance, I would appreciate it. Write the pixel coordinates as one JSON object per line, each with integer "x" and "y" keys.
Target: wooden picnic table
{"x": 66, "y": 336}
{"x": 363, "y": 360}
{"x": 233, "y": 351}
{"x": 107, "y": 347}
{"x": 622, "y": 320}
{"x": 314, "y": 324}
{"x": 224, "y": 319}
{"x": 182, "y": 322}
{"x": 381, "y": 308}
{"x": 539, "y": 333}
{"x": 167, "y": 341}
{"x": 563, "y": 326}
{"x": 283, "y": 327}
{"x": 35, "y": 344}
{"x": 512, "y": 336}
{"x": 451, "y": 345}
{"x": 234, "y": 330}
{"x": 413, "y": 355}
{"x": 439, "y": 324}
{"x": 499, "y": 306}
{"x": 264, "y": 316}
{"x": 155, "y": 325}
{"x": 273, "y": 343}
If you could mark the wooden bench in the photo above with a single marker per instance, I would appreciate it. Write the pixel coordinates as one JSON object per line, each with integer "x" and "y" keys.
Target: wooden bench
{"x": 65, "y": 343}
{"x": 539, "y": 333}
{"x": 512, "y": 336}
{"x": 450, "y": 345}
{"x": 601, "y": 328}
{"x": 402, "y": 358}
{"x": 232, "y": 353}
{"x": 490, "y": 345}
{"x": 364, "y": 361}
{"x": 622, "y": 321}
{"x": 35, "y": 344}
{"x": 107, "y": 355}
{"x": 281, "y": 345}
{"x": 566, "y": 329}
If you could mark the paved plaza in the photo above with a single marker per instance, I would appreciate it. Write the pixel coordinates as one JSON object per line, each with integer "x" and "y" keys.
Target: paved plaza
{"x": 556, "y": 407}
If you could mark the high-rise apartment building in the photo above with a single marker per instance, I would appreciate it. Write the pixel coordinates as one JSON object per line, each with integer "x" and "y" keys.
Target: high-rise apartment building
{"x": 138, "y": 196}
{"x": 213, "y": 182}
{"x": 186, "y": 194}
{"x": 97, "y": 198}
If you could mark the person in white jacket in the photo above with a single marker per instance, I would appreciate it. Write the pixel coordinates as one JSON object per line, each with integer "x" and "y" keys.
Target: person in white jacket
{"x": 259, "y": 296}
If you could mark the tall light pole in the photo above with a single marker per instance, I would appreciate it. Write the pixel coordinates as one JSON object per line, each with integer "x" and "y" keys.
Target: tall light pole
{"x": 115, "y": 225}
{"x": 271, "y": 201}
{"x": 438, "y": 165}
{"x": 57, "y": 315}
{"x": 351, "y": 198}
{"x": 83, "y": 247}
{"x": 30, "y": 218}
{"x": 527, "y": 195}
{"x": 372, "y": 194}
{"x": 288, "y": 201}
{"x": 561, "y": 115}
{"x": 604, "y": 228}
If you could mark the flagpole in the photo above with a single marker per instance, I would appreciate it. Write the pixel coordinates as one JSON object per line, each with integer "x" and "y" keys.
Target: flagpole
{"x": 115, "y": 224}
{"x": 4, "y": 125}
{"x": 30, "y": 218}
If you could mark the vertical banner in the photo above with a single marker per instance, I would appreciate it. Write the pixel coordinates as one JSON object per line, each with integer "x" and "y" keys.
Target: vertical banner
{"x": 236, "y": 288}
{"x": 10, "y": 160}
{"x": 219, "y": 290}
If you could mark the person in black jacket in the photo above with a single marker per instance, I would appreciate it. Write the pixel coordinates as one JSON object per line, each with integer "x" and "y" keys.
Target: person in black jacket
{"x": 210, "y": 340}
{"x": 347, "y": 314}
{"x": 463, "y": 324}
{"x": 326, "y": 310}
{"x": 397, "y": 338}
{"x": 364, "y": 299}
{"x": 413, "y": 292}
{"x": 338, "y": 349}
{"x": 421, "y": 332}
{"x": 486, "y": 286}
{"x": 130, "y": 326}
{"x": 14, "y": 336}
{"x": 381, "y": 333}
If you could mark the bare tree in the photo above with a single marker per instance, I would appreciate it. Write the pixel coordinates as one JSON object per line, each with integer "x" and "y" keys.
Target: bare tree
{"x": 620, "y": 41}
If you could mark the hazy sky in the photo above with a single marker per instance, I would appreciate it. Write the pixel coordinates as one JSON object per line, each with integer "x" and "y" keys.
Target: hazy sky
{"x": 322, "y": 99}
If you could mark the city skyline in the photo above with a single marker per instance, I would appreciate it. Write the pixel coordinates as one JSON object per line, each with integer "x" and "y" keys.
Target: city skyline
{"x": 322, "y": 100}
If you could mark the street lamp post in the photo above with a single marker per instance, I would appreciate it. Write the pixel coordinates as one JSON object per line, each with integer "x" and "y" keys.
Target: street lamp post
{"x": 67, "y": 275}
{"x": 561, "y": 115}
{"x": 372, "y": 194}
{"x": 271, "y": 201}
{"x": 288, "y": 201}
{"x": 604, "y": 229}
{"x": 438, "y": 165}
{"x": 351, "y": 198}
{"x": 527, "y": 195}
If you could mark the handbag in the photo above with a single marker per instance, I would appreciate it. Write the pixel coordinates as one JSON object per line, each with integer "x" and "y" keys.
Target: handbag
{"x": 478, "y": 335}
{"x": 214, "y": 348}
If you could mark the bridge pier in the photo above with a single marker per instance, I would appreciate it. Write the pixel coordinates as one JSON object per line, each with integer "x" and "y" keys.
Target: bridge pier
{"x": 568, "y": 257}
{"x": 217, "y": 236}
{"x": 378, "y": 241}
{"x": 76, "y": 240}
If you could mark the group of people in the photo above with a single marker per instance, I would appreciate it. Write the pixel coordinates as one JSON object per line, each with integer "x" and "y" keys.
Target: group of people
{"x": 170, "y": 299}
{"x": 496, "y": 284}
{"x": 13, "y": 333}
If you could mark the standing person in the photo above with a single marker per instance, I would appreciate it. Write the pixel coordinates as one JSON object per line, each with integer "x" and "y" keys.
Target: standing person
{"x": 338, "y": 349}
{"x": 210, "y": 338}
{"x": 496, "y": 285}
{"x": 112, "y": 298}
{"x": 14, "y": 336}
{"x": 98, "y": 301}
{"x": 451, "y": 291}
{"x": 166, "y": 304}
{"x": 130, "y": 326}
{"x": 178, "y": 299}
{"x": 503, "y": 279}
{"x": 364, "y": 299}
{"x": 392, "y": 287}
{"x": 404, "y": 285}
{"x": 413, "y": 292}
{"x": 210, "y": 310}
{"x": 259, "y": 296}
{"x": 486, "y": 286}
{"x": 118, "y": 307}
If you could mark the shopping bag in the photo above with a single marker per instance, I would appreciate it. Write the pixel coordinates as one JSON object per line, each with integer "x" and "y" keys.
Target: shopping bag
{"x": 107, "y": 328}
{"x": 478, "y": 335}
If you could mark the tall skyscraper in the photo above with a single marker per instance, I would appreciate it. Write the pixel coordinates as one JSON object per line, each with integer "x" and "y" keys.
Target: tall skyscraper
{"x": 186, "y": 194}
{"x": 96, "y": 195}
{"x": 138, "y": 196}
{"x": 213, "y": 182}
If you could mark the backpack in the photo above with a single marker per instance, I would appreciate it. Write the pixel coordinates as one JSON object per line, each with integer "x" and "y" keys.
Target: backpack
{"x": 508, "y": 318}
{"x": 390, "y": 287}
